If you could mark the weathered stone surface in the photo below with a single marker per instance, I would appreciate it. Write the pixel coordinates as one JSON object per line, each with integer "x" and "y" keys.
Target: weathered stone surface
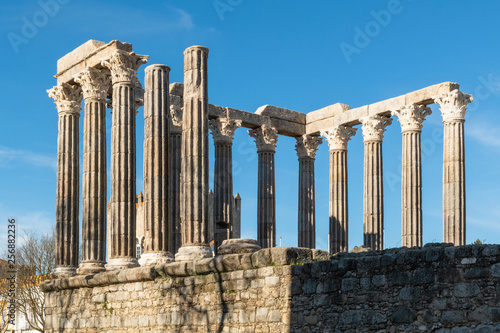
{"x": 238, "y": 246}
{"x": 282, "y": 113}
{"x": 360, "y": 249}
{"x": 194, "y": 157}
{"x": 306, "y": 148}
{"x": 86, "y": 55}
{"x": 355, "y": 292}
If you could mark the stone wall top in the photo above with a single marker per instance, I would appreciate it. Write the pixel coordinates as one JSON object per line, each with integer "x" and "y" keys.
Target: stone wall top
{"x": 278, "y": 256}
{"x": 282, "y": 256}
{"x": 86, "y": 55}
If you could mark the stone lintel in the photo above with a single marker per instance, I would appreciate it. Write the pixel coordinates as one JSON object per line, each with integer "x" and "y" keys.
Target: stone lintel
{"x": 383, "y": 108}
{"x": 86, "y": 55}
{"x": 326, "y": 112}
{"x": 282, "y": 113}
{"x": 293, "y": 123}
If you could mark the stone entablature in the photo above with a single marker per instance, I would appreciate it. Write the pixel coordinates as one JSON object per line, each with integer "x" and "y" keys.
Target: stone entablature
{"x": 437, "y": 287}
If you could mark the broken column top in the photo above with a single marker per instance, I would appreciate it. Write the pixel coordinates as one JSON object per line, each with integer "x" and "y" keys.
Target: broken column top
{"x": 86, "y": 55}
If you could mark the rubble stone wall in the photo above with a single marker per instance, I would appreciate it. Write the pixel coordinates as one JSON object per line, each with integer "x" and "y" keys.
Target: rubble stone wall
{"x": 437, "y": 288}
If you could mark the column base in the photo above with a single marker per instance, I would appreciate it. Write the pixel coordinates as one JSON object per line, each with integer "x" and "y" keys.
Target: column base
{"x": 155, "y": 258}
{"x": 190, "y": 253}
{"x": 64, "y": 271}
{"x": 121, "y": 263}
{"x": 238, "y": 246}
{"x": 90, "y": 267}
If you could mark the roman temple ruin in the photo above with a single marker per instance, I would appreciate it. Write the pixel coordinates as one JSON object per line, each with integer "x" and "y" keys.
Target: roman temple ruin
{"x": 176, "y": 201}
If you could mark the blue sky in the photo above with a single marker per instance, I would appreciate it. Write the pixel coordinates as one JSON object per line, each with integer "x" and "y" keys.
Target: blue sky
{"x": 285, "y": 53}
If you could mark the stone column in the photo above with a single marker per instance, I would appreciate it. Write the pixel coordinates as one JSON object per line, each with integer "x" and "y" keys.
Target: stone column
{"x": 373, "y": 133}
{"x": 211, "y": 225}
{"x": 223, "y": 132}
{"x": 453, "y": 106}
{"x": 306, "y": 148}
{"x": 236, "y": 230}
{"x": 123, "y": 66}
{"x": 194, "y": 159}
{"x": 95, "y": 86}
{"x": 175, "y": 177}
{"x": 337, "y": 138}
{"x": 156, "y": 175}
{"x": 266, "y": 138}
{"x": 411, "y": 117}
{"x": 68, "y": 101}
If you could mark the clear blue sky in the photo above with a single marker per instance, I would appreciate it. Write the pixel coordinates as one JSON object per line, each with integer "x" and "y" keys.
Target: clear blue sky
{"x": 285, "y": 53}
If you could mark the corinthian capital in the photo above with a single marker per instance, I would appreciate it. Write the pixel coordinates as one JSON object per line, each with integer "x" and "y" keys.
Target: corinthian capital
{"x": 374, "y": 127}
{"x": 223, "y": 129}
{"x": 265, "y": 137}
{"x": 453, "y": 105}
{"x": 412, "y": 116}
{"x": 338, "y": 136}
{"x": 307, "y": 146}
{"x": 68, "y": 98}
{"x": 124, "y": 65}
{"x": 94, "y": 83}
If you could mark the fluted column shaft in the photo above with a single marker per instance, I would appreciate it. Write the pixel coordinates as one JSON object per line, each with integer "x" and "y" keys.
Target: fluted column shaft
{"x": 411, "y": 117}
{"x": 337, "y": 138}
{"x": 453, "y": 106}
{"x": 123, "y": 67}
{"x": 223, "y": 132}
{"x": 373, "y": 203}
{"x": 236, "y": 228}
{"x": 194, "y": 158}
{"x": 306, "y": 148}
{"x": 411, "y": 190}
{"x": 68, "y": 99}
{"x": 223, "y": 192}
{"x": 123, "y": 173}
{"x": 265, "y": 139}
{"x": 95, "y": 85}
{"x": 156, "y": 161}
{"x": 266, "y": 204}
{"x": 175, "y": 166}
{"x": 174, "y": 190}
{"x": 339, "y": 215}
{"x": 307, "y": 219}
{"x": 454, "y": 183}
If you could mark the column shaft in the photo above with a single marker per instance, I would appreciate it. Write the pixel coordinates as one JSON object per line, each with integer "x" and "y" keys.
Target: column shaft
{"x": 266, "y": 205}
{"x": 68, "y": 100}
{"x": 123, "y": 175}
{"x": 194, "y": 177}
{"x": 338, "y": 201}
{"x": 223, "y": 192}
{"x": 156, "y": 172}
{"x": 454, "y": 183}
{"x": 67, "y": 209}
{"x": 94, "y": 184}
{"x": 175, "y": 192}
{"x": 373, "y": 196}
{"x": 307, "y": 219}
{"x": 236, "y": 228}
{"x": 411, "y": 191}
